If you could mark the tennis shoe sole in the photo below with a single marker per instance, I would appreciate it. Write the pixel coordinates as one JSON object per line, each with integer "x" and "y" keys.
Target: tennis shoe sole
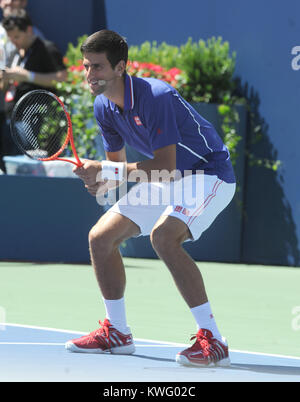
{"x": 117, "y": 350}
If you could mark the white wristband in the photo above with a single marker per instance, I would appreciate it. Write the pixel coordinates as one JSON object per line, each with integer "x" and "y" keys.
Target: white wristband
{"x": 31, "y": 76}
{"x": 113, "y": 170}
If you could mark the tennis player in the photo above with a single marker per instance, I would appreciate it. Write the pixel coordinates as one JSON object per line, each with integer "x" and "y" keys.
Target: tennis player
{"x": 185, "y": 150}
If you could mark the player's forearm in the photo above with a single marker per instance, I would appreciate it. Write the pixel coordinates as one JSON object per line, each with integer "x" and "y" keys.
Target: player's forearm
{"x": 150, "y": 171}
{"x": 161, "y": 168}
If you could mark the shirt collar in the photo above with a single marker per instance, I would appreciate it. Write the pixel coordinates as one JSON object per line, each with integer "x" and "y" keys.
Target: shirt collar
{"x": 128, "y": 96}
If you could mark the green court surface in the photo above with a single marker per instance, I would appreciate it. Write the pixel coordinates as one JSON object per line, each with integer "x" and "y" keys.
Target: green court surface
{"x": 255, "y": 306}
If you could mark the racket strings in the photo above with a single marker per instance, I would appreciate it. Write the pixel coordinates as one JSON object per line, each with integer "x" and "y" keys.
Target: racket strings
{"x": 39, "y": 125}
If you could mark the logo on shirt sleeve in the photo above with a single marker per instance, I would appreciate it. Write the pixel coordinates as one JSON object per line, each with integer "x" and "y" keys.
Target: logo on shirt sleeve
{"x": 137, "y": 121}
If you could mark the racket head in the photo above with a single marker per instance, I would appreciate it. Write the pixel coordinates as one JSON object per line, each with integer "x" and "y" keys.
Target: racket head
{"x": 40, "y": 125}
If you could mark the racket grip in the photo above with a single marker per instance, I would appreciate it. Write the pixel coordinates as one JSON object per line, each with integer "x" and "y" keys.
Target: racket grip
{"x": 79, "y": 164}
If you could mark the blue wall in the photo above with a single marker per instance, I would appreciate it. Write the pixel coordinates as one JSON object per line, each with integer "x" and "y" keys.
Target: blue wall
{"x": 63, "y": 21}
{"x": 45, "y": 219}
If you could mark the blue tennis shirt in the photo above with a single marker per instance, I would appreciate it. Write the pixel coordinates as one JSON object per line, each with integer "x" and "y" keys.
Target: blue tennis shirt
{"x": 154, "y": 116}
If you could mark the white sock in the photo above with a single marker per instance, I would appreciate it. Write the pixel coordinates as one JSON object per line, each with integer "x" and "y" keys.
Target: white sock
{"x": 115, "y": 312}
{"x": 205, "y": 319}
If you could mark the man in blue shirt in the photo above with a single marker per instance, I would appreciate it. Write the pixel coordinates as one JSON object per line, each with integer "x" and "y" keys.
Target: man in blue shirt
{"x": 185, "y": 156}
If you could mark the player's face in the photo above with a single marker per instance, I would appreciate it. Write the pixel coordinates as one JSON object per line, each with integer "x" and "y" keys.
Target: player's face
{"x": 100, "y": 75}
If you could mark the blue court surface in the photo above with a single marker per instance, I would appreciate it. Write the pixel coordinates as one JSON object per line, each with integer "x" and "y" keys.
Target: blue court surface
{"x": 33, "y": 354}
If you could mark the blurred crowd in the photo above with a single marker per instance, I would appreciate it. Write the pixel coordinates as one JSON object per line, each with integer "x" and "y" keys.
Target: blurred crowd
{"x": 28, "y": 61}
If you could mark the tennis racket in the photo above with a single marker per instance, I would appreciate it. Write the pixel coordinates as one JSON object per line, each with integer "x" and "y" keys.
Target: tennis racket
{"x": 41, "y": 127}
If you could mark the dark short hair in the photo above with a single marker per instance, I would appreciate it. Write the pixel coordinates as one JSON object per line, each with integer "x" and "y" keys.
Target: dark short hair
{"x": 17, "y": 19}
{"x": 108, "y": 42}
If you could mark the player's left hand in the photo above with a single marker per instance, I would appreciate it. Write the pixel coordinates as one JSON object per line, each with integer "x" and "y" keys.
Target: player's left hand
{"x": 89, "y": 172}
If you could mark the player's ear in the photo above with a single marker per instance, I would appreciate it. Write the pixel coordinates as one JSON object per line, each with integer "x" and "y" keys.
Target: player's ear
{"x": 120, "y": 67}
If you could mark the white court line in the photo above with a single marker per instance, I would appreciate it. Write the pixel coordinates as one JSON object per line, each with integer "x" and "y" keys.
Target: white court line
{"x": 159, "y": 343}
{"x": 43, "y": 328}
{"x": 32, "y": 343}
{"x": 84, "y": 333}
{"x": 62, "y": 344}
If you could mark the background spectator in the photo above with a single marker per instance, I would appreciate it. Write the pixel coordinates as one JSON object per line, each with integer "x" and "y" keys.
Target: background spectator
{"x": 37, "y": 63}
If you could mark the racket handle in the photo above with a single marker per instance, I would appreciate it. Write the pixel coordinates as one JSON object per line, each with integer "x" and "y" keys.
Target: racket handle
{"x": 79, "y": 164}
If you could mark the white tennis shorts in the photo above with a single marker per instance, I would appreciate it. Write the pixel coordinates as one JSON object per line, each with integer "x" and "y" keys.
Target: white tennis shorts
{"x": 195, "y": 199}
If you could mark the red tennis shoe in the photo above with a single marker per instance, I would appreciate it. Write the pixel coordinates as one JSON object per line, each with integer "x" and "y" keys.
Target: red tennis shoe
{"x": 104, "y": 339}
{"x": 207, "y": 351}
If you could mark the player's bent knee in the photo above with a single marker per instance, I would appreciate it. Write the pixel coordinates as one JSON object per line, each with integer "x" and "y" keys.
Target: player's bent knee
{"x": 163, "y": 239}
{"x": 99, "y": 240}
{"x": 94, "y": 237}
